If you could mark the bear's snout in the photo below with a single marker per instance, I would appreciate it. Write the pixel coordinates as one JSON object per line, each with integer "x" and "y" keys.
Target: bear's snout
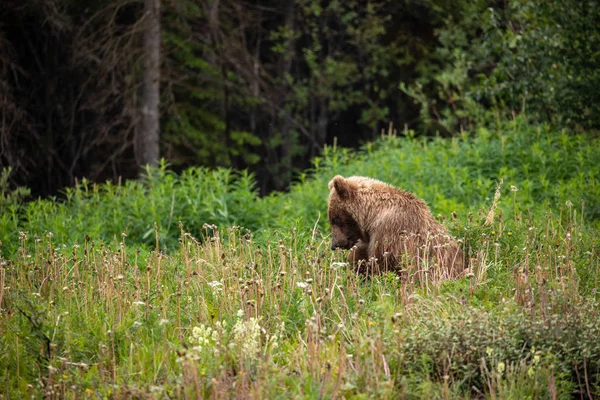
{"x": 340, "y": 244}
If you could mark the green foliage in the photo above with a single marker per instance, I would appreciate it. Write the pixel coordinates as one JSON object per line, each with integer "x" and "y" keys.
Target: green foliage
{"x": 466, "y": 345}
{"x": 151, "y": 211}
{"x": 460, "y": 175}
{"x": 348, "y": 66}
{"x": 446, "y": 85}
{"x": 198, "y": 125}
{"x": 551, "y": 63}
{"x": 267, "y": 88}
{"x": 10, "y": 205}
{"x": 178, "y": 307}
{"x": 493, "y": 60}
{"x": 546, "y": 167}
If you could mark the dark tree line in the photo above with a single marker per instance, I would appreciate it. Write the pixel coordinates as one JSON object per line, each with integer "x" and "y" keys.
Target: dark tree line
{"x": 68, "y": 101}
{"x": 265, "y": 85}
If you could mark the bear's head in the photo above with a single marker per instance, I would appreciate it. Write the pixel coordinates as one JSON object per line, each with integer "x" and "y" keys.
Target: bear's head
{"x": 345, "y": 230}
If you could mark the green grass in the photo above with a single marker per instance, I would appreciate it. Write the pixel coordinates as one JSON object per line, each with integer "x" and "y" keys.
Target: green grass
{"x": 136, "y": 294}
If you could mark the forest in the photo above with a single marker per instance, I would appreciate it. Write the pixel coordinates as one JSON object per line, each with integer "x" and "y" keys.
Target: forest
{"x": 87, "y": 86}
{"x": 164, "y": 228}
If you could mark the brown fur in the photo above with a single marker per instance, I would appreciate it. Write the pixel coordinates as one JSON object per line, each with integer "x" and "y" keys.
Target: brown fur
{"x": 385, "y": 227}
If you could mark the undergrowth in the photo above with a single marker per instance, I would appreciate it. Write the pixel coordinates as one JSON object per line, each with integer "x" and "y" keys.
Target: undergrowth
{"x": 191, "y": 286}
{"x": 549, "y": 169}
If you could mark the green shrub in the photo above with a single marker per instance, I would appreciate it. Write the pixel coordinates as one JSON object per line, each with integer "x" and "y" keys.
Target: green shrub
{"x": 469, "y": 346}
{"x": 547, "y": 167}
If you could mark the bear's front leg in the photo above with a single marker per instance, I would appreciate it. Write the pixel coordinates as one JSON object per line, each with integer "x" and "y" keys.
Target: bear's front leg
{"x": 360, "y": 260}
{"x": 359, "y": 252}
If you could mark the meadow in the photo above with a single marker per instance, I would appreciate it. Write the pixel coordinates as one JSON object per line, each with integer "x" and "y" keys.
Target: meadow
{"x": 192, "y": 286}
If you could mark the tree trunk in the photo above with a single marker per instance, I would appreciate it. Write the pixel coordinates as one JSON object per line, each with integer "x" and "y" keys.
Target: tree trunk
{"x": 149, "y": 125}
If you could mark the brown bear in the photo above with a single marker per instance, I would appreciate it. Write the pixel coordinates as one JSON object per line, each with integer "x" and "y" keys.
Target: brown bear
{"x": 387, "y": 228}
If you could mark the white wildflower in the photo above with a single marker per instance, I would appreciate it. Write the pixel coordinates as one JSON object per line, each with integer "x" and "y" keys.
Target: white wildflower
{"x": 338, "y": 264}
{"x": 247, "y": 335}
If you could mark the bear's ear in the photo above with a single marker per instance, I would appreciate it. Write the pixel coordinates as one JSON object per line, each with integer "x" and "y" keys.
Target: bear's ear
{"x": 341, "y": 186}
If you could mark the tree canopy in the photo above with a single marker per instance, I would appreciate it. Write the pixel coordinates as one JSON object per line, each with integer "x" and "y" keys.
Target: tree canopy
{"x": 266, "y": 85}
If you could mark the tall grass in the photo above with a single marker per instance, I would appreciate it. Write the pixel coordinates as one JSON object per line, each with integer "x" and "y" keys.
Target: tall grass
{"x": 109, "y": 295}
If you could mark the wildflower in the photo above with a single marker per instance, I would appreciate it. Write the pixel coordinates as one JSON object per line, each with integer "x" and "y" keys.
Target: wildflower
{"x": 247, "y": 336}
{"x": 338, "y": 264}
{"x": 163, "y": 322}
{"x": 302, "y": 285}
{"x": 501, "y": 367}
{"x": 513, "y": 188}
{"x": 202, "y": 334}
{"x": 530, "y": 372}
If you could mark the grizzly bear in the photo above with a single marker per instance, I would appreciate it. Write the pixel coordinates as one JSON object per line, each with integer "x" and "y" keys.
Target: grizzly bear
{"x": 387, "y": 228}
